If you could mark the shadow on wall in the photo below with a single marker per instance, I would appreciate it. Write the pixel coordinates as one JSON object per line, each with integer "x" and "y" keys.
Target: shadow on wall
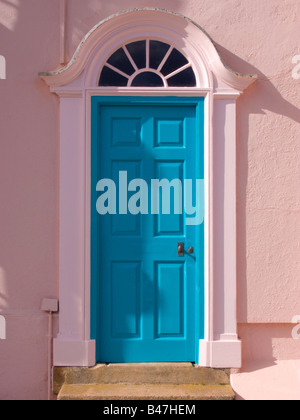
{"x": 260, "y": 98}
{"x": 271, "y": 362}
{"x": 262, "y": 95}
{"x": 9, "y": 13}
{"x": 266, "y": 344}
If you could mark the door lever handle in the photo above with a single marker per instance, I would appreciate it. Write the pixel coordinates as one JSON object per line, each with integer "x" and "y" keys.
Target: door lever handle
{"x": 181, "y": 249}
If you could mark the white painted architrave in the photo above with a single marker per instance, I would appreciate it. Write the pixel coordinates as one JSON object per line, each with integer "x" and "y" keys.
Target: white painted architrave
{"x": 76, "y": 83}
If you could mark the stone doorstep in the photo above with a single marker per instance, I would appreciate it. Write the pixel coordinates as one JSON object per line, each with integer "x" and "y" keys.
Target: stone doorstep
{"x": 140, "y": 374}
{"x": 146, "y": 392}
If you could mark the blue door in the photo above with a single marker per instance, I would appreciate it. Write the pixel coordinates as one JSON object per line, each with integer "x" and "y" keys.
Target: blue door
{"x": 147, "y": 257}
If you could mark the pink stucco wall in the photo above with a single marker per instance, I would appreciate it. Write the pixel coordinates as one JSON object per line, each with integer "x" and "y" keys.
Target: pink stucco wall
{"x": 253, "y": 36}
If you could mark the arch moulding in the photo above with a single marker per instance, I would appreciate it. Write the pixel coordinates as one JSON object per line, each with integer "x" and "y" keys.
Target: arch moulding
{"x": 75, "y": 84}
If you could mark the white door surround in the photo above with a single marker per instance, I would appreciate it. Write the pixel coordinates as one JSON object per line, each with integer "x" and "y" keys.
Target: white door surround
{"x": 75, "y": 84}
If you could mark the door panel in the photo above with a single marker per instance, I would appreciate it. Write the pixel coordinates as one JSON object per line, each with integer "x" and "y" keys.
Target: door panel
{"x": 146, "y": 299}
{"x": 169, "y": 300}
{"x": 171, "y": 223}
{"x": 126, "y": 313}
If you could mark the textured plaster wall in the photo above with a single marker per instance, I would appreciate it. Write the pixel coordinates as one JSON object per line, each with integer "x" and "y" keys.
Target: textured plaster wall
{"x": 253, "y": 36}
{"x": 29, "y": 193}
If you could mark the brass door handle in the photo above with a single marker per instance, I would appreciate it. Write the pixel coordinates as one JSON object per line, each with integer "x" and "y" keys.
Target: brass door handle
{"x": 181, "y": 249}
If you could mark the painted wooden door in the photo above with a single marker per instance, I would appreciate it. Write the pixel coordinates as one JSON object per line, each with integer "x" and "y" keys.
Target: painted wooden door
{"x": 147, "y": 295}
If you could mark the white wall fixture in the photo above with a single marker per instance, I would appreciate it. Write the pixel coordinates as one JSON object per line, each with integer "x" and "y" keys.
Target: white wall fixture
{"x": 2, "y": 328}
{"x": 2, "y": 68}
{"x": 50, "y": 306}
{"x": 296, "y": 69}
{"x": 62, "y": 30}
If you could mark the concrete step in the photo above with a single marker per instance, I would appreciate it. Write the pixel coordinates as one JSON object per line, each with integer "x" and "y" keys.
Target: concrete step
{"x": 140, "y": 374}
{"x": 146, "y": 392}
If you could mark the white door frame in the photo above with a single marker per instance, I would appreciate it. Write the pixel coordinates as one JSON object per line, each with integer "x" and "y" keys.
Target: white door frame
{"x": 75, "y": 84}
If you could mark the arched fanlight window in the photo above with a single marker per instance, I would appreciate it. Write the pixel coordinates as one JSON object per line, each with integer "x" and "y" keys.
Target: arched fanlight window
{"x": 147, "y": 63}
